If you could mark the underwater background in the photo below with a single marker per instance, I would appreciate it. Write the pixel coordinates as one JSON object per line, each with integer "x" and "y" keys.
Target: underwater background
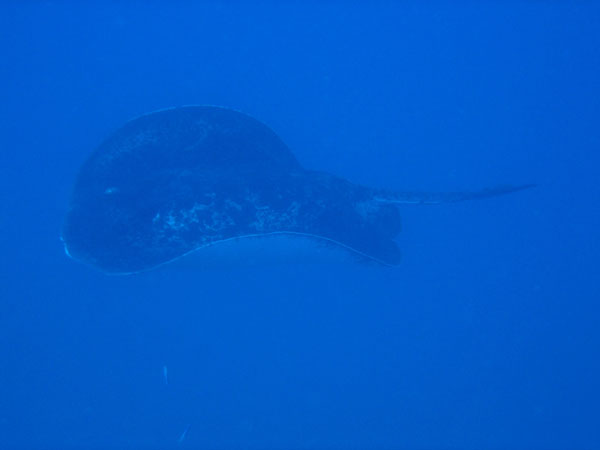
{"x": 485, "y": 337}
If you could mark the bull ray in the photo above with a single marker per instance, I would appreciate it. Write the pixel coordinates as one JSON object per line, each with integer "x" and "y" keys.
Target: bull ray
{"x": 181, "y": 180}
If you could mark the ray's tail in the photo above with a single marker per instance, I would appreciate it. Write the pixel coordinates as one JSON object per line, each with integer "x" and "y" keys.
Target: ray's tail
{"x": 433, "y": 198}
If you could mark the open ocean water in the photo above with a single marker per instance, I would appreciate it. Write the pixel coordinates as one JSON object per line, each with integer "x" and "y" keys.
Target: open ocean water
{"x": 486, "y": 336}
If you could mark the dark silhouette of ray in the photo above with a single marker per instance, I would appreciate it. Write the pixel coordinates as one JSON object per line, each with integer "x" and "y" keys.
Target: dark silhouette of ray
{"x": 177, "y": 180}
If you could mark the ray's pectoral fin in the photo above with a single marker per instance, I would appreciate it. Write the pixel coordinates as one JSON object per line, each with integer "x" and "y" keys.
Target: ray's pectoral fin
{"x": 432, "y": 198}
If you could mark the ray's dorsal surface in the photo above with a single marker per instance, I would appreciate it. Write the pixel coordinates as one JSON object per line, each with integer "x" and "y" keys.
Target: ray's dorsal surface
{"x": 179, "y": 180}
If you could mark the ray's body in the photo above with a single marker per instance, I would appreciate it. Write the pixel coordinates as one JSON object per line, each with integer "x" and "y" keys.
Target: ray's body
{"x": 179, "y": 180}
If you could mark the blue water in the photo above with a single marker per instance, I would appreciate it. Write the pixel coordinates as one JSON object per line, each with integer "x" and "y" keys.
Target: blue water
{"x": 485, "y": 337}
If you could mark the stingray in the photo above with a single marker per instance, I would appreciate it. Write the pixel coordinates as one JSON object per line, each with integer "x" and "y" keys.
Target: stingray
{"x": 187, "y": 179}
